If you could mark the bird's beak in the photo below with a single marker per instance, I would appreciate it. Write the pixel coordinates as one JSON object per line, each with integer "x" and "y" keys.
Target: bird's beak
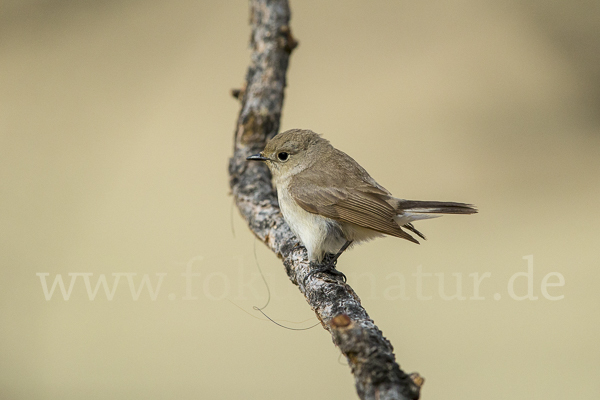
{"x": 256, "y": 157}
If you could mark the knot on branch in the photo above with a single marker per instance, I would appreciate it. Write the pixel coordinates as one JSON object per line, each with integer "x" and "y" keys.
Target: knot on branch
{"x": 239, "y": 93}
{"x": 286, "y": 40}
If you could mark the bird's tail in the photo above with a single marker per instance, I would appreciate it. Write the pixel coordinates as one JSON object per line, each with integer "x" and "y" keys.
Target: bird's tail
{"x": 414, "y": 210}
{"x": 434, "y": 207}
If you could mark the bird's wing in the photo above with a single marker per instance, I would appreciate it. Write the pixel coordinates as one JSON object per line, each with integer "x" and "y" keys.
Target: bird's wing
{"x": 360, "y": 203}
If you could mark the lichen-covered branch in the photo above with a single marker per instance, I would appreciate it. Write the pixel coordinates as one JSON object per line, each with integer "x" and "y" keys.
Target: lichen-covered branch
{"x": 369, "y": 354}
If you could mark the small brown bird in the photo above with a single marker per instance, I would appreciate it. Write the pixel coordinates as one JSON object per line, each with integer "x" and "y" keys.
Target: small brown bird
{"x": 330, "y": 201}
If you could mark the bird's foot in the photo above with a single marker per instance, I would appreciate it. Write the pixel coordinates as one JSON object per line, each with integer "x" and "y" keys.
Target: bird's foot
{"x": 328, "y": 266}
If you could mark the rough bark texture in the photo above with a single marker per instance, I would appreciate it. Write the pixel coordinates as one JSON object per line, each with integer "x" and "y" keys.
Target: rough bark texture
{"x": 369, "y": 354}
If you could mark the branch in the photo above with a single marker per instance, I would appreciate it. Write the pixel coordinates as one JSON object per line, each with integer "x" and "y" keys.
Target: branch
{"x": 369, "y": 354}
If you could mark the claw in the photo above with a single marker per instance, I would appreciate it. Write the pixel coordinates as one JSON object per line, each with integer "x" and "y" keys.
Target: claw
{"x": 328, "y": 268}
{"x": 329, "y": 264}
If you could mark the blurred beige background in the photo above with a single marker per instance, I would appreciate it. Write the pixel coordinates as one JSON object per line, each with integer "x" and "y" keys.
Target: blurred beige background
{"x": 116, "y": 126}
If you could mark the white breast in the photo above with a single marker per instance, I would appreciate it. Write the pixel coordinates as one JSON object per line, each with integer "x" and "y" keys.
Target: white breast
{"x": 313, "y": 230}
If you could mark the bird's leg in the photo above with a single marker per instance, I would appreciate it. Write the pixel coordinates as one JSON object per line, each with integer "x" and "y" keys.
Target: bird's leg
{"x": 339, "y": 253}
{"x": 329, "y": 264}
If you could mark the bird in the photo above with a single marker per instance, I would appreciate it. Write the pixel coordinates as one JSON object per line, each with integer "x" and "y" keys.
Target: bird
{"x": 331, "y": 203}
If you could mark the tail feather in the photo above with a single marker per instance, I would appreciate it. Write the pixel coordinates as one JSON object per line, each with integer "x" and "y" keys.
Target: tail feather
{"x": 434, "y": 207}
{"x": 414, "y": 210}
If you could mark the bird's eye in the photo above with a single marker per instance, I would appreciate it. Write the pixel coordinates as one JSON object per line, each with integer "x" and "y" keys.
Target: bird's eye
{"x": 283, "y": 156}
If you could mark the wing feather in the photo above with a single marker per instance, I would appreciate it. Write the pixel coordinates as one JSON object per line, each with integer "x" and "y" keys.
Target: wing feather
{"x": 364, "y": 204}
